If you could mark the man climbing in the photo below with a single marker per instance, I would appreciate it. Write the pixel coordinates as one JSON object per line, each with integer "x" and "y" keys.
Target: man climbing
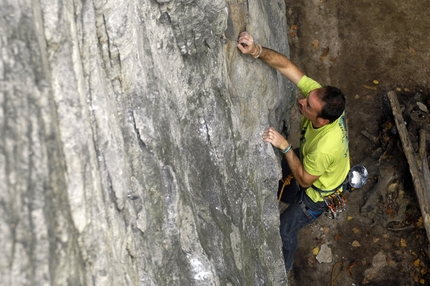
{"x": 324, "y": 162}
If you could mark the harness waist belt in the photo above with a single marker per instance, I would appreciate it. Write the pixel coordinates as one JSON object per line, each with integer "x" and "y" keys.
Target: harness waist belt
{"x": 327, "y": 191}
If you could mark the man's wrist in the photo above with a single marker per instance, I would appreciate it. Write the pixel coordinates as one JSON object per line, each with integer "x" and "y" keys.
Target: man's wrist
{"x": 284, "y": 146}
{"x": 285, "y": 151}
{"x": 256, "y": 54}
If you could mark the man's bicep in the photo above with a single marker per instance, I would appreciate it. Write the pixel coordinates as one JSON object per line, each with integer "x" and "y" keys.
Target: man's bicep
{"x": 314, "y": 165}
{"x": 292, "y": 72}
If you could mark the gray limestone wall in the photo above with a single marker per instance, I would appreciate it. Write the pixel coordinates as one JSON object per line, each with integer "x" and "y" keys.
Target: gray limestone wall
{"x": 130, "y": 147}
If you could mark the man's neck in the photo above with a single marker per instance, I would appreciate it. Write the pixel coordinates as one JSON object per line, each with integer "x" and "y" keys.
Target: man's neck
{"x": 316, "y": 125}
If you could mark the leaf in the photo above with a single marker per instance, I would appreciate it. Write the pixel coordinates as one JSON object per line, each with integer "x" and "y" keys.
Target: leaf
{"x": 356, "y": 230}
{"x": 417, "y": 262}
{"x": 403, "y": 242}
{"x": 420, "y": 222}
{"x": 349, "y": 217}
{"x": 389, "y": 125}
{"x": 370, "y": 87}
{"x": 356, "y": 244}
{"x": 351, "y": 266}
{"x": 375, "y": 81}
{"x": 315, "y": 44}
{"x": 293, "y": 31}
{"x": 316, "y": 250}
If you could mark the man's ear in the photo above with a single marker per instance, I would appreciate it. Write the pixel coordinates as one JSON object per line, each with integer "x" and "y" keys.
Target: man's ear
{"x": 323, "y": 121}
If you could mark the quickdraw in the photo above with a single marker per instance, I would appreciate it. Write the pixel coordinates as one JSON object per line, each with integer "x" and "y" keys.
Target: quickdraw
{"x": 336, "y": 203}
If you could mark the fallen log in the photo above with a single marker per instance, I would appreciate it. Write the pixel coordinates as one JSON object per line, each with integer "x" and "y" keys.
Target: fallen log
{"x": 418, "y": 165}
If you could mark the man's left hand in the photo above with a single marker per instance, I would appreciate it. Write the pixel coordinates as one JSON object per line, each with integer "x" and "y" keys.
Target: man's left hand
{"x": 276, "y": 139}
{"x": 246, "y": 44}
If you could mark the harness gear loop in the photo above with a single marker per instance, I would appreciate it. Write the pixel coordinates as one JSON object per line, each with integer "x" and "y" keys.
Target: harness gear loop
{"x": 335, "y": 200}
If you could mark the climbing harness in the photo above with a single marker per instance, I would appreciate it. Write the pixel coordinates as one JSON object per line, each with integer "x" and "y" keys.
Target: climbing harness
{"x": 311, "y": 214}
{"x": 335, "y": 199}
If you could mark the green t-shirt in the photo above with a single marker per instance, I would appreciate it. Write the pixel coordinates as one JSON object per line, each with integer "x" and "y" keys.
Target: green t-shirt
{"x": 324, "y": 151}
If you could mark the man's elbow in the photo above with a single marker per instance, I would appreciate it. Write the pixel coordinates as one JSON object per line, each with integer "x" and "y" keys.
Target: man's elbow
{"x": 306, "y": 181}
{"x": 304, "y": 184}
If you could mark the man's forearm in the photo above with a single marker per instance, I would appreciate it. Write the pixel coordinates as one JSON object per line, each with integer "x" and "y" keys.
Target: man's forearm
{"x": 274, "y": 59}
{"x": 282, "y": 64}
{"x": 296, "y": 166}
{"x": 302, "y": 177}
{"x": 246, "y": 45}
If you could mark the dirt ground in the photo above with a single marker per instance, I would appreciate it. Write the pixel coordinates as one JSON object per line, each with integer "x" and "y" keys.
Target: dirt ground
{"x": 367, "y": 48}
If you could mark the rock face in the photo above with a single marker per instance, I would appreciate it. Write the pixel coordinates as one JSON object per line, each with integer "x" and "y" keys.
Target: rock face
{"x": 131, "y": 149}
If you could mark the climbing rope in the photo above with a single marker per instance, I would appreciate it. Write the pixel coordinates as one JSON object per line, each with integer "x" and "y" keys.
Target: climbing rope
{"x": 286, "y": 181}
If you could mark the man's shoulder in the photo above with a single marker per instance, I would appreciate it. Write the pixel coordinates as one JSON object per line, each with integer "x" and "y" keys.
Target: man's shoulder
{"x": 307, "y": 84}
{"x": 333, "y": 137}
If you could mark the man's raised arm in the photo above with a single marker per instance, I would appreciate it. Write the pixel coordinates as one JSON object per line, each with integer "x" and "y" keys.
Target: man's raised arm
{"x": 274, "y": 59}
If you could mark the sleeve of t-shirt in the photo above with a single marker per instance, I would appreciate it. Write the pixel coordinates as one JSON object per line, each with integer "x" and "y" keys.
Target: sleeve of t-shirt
{"x": 306, "y": 85}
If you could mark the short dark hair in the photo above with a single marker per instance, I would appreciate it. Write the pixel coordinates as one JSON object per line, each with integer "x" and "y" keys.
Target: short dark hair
{"x": 334, "y": 101}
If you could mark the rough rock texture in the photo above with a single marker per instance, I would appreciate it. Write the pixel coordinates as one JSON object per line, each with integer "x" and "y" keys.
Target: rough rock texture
{"x": 131, "y": 149}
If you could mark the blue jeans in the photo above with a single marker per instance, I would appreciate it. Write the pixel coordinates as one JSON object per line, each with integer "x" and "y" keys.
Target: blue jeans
{"x": 300, "y": 213}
